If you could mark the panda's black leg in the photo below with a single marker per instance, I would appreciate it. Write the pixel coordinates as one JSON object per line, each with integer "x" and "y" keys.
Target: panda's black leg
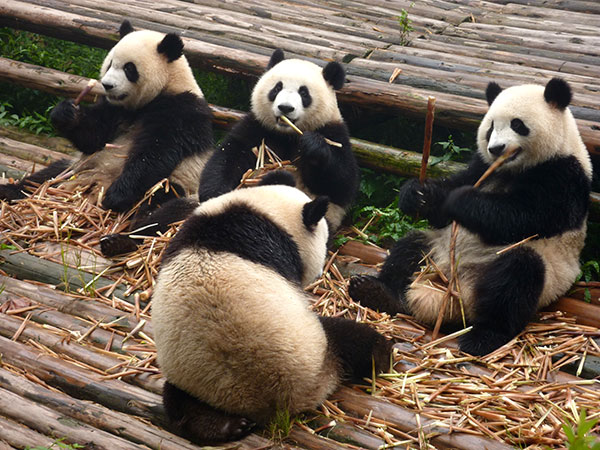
{"x": 386, "y": 292}
{"x": 506, "y": 298}
{"x": 149, "y": 220}
{"x": 15, "y": 191}
{"x": 199, "y": 422}
{"x": 357, "y": 345}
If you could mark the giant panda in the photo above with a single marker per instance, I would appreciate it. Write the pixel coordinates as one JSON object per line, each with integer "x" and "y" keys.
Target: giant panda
{"x": 542, "y": 190}
{"x": 153, "y": 115}
{"x": 235, "y": 338}
{"x": 305, "y": 94}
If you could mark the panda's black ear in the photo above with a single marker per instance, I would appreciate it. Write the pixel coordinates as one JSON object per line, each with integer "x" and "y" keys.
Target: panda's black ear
{"x": 278, "y": 177}
{"x": 492, "y": 91}
{"x": 171, "y": 46}
{"x": 314, "y": 211}
{"x": 276, "y": 58}
{"x": 334, "y": 74}
{"x": 125, "y": 29}
{"x": 558, "y": 93}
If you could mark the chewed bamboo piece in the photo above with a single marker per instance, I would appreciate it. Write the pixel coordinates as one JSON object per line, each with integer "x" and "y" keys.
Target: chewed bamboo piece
{"x": 453, "y": 281}
{"x": 427, "y": 140}
{"x": 89, "y": 86}
{"x": 299, "y": 131}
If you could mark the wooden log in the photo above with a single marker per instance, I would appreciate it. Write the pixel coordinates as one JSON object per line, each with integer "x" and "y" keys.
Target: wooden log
{"x": 362, "y": 406}
{"x": 19, "y": 164}
{"x": 57, "y": 145}
{"x": 454, "y": 111}
{"x": 28, "y": 152}
{"x": 19, "y": 436}
{"x": 83, "y": 353}
{"x": 118, "y": 424}
{"x": 71, "y": 305}
{"x": 79, "y": 383}
{"x": 29, "y": 267}
{"x": 48, "y": 421}
{"x": 342, "y": 432}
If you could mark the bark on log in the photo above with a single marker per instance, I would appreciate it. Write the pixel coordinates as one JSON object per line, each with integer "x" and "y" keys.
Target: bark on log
{"x": 30, "y": 153}
{"x": 20, "y": 436}
{"x": 48, "y": 421}
{"x": 454, "y": 111}
{"x": 29, "y": 267}
{"x": 79, "y": 383}
{"x": 404, "y": 420}
{"x": 96, "y": 416}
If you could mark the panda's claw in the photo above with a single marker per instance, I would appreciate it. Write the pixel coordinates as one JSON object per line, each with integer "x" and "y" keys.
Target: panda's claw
{"x": 235, "y": 428}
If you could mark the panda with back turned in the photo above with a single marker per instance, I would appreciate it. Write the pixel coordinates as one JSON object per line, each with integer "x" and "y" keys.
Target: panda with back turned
{"x": 235, "y": 338}
{"x": 541, "y": 192}
{"x": 153, "y": 115}
{"x": 305, "y": 94}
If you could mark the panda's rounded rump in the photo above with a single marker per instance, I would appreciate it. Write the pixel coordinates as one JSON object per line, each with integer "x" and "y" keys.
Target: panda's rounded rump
{"x": 243, "y": 330}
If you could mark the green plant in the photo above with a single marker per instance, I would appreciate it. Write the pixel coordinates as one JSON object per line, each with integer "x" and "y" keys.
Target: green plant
{"x": 58, "y": 443}
{"x": 405, "y": 26}
{"x": 590, "y": 271}
{"x": 579, "y": 438}
{"x": 36, "y": 123}
{"x": 383, "y": 226}
{"x": 450, "y": 152}
{"x": 281, "y": 424}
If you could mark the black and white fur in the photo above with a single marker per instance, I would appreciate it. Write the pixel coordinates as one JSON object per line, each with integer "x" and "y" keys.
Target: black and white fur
{"x": 303, "y": 92}
{"x": 154, "y": 115}
{"x": 235, "y": 338}
{"x": 542, "y": 190}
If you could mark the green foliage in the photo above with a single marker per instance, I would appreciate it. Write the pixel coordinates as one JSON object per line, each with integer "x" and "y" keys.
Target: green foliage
{"x": 35, "y": 123}
{"x": 449, "y": 152}
{"x": 579, "y": 438}
{"x": 378, "y": 189}
{"x": 405, "y": 26}
{"x": 590, "y": 271}
{"x": 384, "y": 226}
{"x": 58, "y": 443}
{"x": 281, "y": 424}
{"x": 229, "y": 92}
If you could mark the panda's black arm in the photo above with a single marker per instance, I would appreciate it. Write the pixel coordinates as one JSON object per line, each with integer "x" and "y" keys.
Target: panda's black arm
{"x": 326, "y": 169}
{"x": 89, "y": 128}
{"x": 173, "y": 127}
{"x": 232, "y": 159}
{"x": 547, "y": 200}
{"x": 427, "y": 200}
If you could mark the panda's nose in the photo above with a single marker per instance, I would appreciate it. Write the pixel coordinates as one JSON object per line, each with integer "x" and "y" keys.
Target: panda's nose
{"x": 108, "y": 86}
{"x": 285, "y": 108}
{"x": 496, "y": 150}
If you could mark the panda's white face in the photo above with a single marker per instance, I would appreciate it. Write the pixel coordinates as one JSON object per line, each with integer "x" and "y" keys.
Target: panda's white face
{"x": 296, "y": 89}
{"x": 134, "y": 72}
{"x": 520, "y": 118}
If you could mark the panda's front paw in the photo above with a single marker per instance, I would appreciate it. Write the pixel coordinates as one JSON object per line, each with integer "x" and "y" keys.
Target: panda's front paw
{"x": 411, "y": 197}
{"x": 455, "y": 201}
{"x": 65, "y": 116}
{"x": 116, "y": 200}
{"x": 314, "y": 149}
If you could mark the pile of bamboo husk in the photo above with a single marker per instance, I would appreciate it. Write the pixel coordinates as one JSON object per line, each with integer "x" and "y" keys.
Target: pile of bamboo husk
{"x": 74, "y": 224}
{"x": 518, "y": 394}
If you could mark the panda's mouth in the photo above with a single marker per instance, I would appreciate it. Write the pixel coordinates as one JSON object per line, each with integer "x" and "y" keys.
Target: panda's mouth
{"x": 515, "y": 154}
{"x": 117, "y": 98}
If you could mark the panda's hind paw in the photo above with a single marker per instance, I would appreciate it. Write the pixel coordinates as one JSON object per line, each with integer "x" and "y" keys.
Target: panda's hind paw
{"x": 374, "y": 294}
{"x": 480, "y": 342}
{"x": 116, "y": 244}
{"x": 235, "y": 428}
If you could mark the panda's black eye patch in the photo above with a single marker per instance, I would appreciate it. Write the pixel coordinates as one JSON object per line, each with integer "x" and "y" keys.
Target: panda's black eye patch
{"x": 519, "y": 127}
{"x": 489, "y": 132}
{"x": 273, "y": 92}
{"x": 131, "y": 72}
{"x": 305, "y": 96}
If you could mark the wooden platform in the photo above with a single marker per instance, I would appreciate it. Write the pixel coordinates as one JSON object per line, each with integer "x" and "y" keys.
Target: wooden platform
{"x": 80, "y": 365}
{"x": 456, "y": 47}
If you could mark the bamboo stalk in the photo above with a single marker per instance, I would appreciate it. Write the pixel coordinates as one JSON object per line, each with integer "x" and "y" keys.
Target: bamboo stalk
{"x": 427, "y": 140}
{"x": 299, "y": 131}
